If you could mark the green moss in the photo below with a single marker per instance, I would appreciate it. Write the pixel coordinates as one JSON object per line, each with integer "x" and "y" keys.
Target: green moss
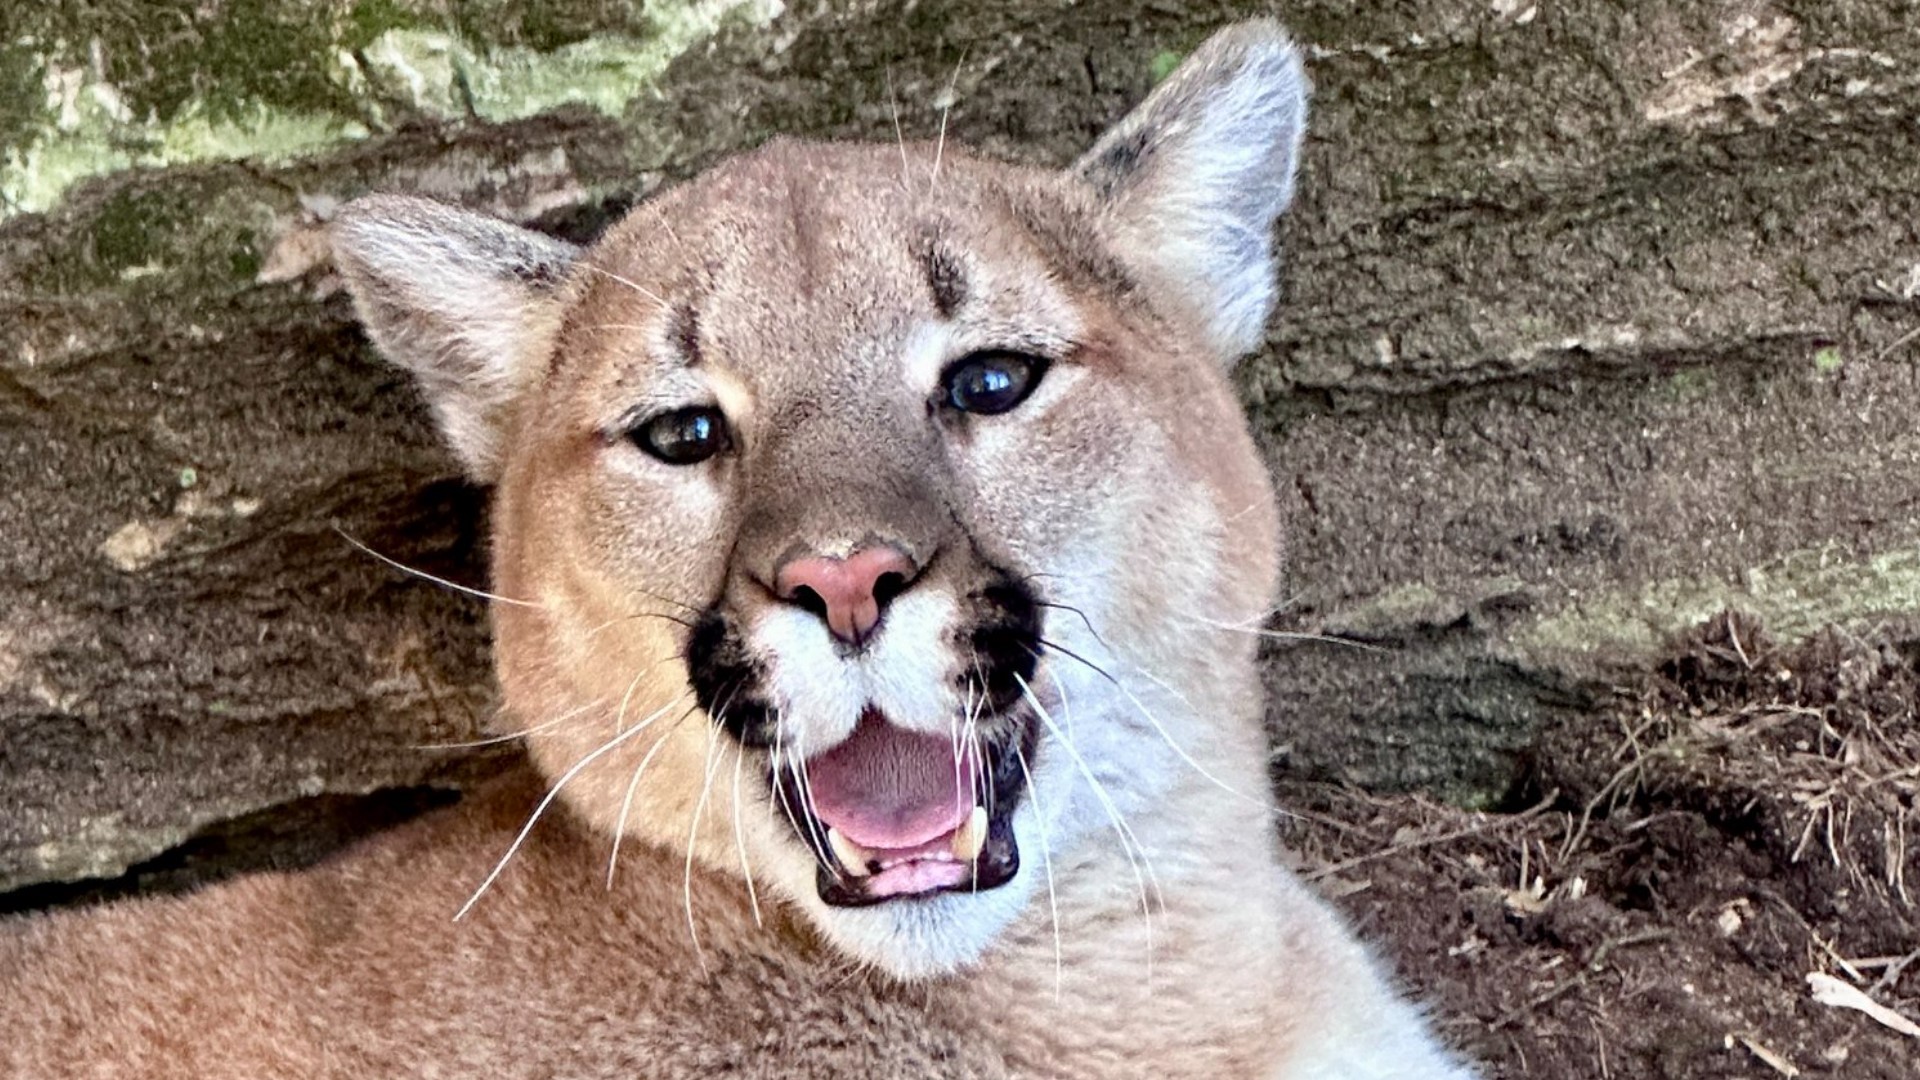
{"x": 164, "y": 56}
{"x": 130, "y": 231}
{"x": 1794, "y": 596}
{"x": 1689, "y": 384}
{"x": 1163, "y": 64}
{"x": 1400, "y": 606}
{"x": 368, "y": 19}
{"x": 159, "y": 82}
{"x": 443, "y": 75}
{"x": 201, "y": 235}
{"x": 544, "y": 25}
{"x": 1828, "y": 360}
{"x": 22, "y": 95}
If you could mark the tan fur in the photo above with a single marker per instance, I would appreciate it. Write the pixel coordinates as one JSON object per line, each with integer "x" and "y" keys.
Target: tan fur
{"x": 1168, "y": 942}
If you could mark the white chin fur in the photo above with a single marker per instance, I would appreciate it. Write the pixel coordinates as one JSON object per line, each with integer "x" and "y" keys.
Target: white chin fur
{"x": 927, "y": 937}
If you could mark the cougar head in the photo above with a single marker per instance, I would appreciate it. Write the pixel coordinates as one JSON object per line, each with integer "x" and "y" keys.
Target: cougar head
{"x": 864, "y": 514}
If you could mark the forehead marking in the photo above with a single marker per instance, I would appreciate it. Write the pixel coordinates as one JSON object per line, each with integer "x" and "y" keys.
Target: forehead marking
{"x": 946, "y": 279}
{"x": 683, "y": 333}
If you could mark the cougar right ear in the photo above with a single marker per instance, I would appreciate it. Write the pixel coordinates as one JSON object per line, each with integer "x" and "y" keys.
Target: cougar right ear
{"x": 1197, "y": 174}
{"x": 464, "y": 301}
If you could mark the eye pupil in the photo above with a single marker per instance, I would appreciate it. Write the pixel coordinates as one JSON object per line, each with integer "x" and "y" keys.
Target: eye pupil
{"x": 684, "y": 436}
{"x": 990, "y": 383}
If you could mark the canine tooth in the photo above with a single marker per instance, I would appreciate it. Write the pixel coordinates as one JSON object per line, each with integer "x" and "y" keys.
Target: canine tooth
{"x": 968, "y": 839}
{"x": 853, "y": 858}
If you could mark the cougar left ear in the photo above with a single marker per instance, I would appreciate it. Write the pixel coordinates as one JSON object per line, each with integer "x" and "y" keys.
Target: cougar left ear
{"x": 464, "y": 301}
{"x": 1196, "y": 176}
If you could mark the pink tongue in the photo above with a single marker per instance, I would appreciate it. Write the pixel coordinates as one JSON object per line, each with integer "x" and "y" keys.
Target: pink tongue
{"x": 888, "y": 788}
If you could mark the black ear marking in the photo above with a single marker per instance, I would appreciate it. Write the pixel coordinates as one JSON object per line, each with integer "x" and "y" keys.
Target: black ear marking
{"x": 1110, "y": 168}
{"x": 464, "y": 301}
{"x": 1192, "y": 181}
{"x": 544, "y": 274}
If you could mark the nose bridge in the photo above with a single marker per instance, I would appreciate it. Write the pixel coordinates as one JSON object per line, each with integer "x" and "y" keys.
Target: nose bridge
{"x": 833, "y": 488}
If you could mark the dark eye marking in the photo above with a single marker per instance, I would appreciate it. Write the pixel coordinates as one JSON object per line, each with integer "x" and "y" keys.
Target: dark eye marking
{"x": 989, "y": 383}
{"x": 684, "y": 436}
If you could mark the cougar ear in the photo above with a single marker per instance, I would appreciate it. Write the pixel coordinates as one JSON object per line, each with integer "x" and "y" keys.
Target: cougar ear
{"x": 464, "y": 301}
{"x": 1197, "y": 174}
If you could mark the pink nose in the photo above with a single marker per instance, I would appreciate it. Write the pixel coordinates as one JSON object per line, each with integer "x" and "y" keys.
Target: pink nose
{"x": 850, "y": 593}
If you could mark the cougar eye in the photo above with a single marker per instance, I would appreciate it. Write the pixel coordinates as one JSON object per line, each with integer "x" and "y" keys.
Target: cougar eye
{"x": 991, "y": 382}
{"x": 684, "y": 436}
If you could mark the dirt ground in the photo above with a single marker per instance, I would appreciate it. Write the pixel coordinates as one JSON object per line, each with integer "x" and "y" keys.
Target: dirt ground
{"x": 1681, "y": 876}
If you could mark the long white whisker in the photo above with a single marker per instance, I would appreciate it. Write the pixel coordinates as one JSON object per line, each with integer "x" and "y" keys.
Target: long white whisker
{"x": 620, "y": 717}
{"x": 740, "y": 837}
{"x": 1286, "y": 635}
{"x": 893, "y": 103}
{"x": 465, "y": 590}
{"x": 954, "y": 730}
{"x": 552, "y": 794}
{"x": 1141, "y": 707}
{"x": 635, "y": 286}
{"x": 1165, "y": 736}
{"x": 1129, "y": 843}
{"x": 946, "y": 109}
{"x": 494, "y": 740}
{"x": 773, "y": 783}
{"x": 806, "y": 803}
{"x": 633, "y": 784}
{"x": 661, "y": 217}
{"x": 970, "y": 730}
{"x": 1046, "y": 862}
{"x": 693, "y": 832}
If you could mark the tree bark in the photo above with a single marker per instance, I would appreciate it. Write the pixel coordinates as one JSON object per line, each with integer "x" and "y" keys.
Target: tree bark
{"x": 1598, "y": 319}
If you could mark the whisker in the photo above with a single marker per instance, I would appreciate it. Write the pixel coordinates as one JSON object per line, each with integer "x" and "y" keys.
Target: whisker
{"x": 693, "y": 832}
{"x": 1288, "y": 635}
{"x": 620, "y": 715}
{"x": 893, "y": 103}
{"x": 545, "y": 802}
{"x": 466, "y": 590}
{"x": 976, "y": 706}
{"x": 1083, "y": 618}
{"x": 618, "y": 619}
{"x": 806, "y": 802}
{"x": 1166, "y": 736}
{"x": 633, "y": 785}
{"x": 740, "y": 838}
{"x": 642, "y": 290}
{"x": 617, "y": 326}
{"x": 773, "y": 783}
{"x": 512, "y": 735}
{"x": 1129, "y": 842}
{"x": 946, "y": 108}
{"x": 1054, "y": 646}
{"x": 1046, "y": 862}
{"x": 660, "y": 217}
{"x": 954, "y": 727}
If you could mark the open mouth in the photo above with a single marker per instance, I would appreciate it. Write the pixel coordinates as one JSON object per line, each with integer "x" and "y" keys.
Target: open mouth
{"x": 892, "y": 814}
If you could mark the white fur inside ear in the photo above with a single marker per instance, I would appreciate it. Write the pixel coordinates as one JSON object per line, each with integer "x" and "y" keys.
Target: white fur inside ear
{"x": 461, "y": 300}
{"x": 1195, "y": 178}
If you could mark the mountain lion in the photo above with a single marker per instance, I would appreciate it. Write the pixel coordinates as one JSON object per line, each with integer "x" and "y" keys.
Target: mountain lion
{"x": 876, "y": 548}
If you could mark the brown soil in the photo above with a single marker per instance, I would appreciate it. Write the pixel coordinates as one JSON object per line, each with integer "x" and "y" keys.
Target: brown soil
{"x": 1686, "y": 860}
